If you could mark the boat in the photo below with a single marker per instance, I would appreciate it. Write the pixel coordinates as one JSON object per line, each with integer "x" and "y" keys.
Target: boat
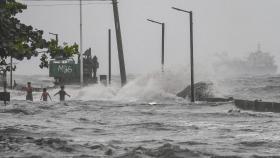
{"x": 257, "y": 63}
{"x": 257, "y": 105}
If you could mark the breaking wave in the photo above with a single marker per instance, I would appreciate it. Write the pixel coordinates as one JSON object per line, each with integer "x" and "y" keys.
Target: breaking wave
{"x": 151, "y": 87}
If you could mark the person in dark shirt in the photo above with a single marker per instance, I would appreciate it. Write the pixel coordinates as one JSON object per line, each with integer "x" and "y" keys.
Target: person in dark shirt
{"x": 45, "y": 95}
{"x": 62, "y": 94}
{"x": 29, "y": 90}
{"x": 15, "y": 84}
{"x": 95, "y": 66}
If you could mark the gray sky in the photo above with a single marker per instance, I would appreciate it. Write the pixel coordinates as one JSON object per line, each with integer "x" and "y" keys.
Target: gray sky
{"x": 232, "y": 26}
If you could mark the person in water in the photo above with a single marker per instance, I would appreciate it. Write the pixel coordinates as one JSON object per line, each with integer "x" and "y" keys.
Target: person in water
{"x": 95, "y": 66}
{"x": 45, "y": 95}
{"x": 62, "y": 94}
{"x": 15, "y": 84}
{"x": 29, "y": 90}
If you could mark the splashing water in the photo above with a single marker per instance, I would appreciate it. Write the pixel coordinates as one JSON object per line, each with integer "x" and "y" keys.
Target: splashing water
{"x": 142, "y": 119}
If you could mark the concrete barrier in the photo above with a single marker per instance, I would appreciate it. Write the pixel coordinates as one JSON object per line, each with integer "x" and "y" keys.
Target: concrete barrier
{"x": 257, "y": 105}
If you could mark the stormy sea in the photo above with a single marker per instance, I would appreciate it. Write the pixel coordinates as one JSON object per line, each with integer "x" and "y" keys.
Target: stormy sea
{"x": 144, "y": 119}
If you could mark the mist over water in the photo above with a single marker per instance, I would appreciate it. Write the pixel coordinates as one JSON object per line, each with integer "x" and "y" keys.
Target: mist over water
{"x": 161, "y": 86}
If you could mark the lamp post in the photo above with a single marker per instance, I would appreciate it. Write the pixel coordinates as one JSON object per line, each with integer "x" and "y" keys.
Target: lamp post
{"x": 11, "y": 65}
{"x": 191, "y": 49}
{"x": 109, "y": 55}
{"x": 11, "y": 72}
{"x": 162, "y": 41}
{"x": 56, "y": 36}
{"x": 81, "y": 46}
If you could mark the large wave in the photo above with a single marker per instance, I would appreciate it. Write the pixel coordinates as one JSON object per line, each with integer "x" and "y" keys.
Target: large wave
{"x": 161, "y": 86}
{"x": 155, "y": 86}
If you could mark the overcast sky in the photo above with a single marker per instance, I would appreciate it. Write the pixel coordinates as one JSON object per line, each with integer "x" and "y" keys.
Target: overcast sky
{"x": 232, "y": 26}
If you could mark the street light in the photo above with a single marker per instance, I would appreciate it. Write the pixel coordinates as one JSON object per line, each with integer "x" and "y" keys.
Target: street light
{"x": 191, "y": 48}
{"x": 11, "y": 64}
{"x": 162, "y": 41}
{"x": 56, "y": 37}
{"x": 81, "y": 46}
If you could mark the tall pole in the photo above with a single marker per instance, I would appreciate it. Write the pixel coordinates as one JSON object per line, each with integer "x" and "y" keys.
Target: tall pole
{"x": 5, "y": 85}
{"x": 191, "y": 49}
{"x": 56, "y": 37}
{"x": 162, "y": 41}
{"x": 109, "y": 48}
{"x": 81, "y": 46}
{"x": 11, "y": 73}
{"x": 162, "y": 47}
{"x": 119, "y": 42}
{"x": 192, "y": 65}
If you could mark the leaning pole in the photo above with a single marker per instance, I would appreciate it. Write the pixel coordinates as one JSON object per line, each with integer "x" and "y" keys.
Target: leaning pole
{"x": 119, "y": 42}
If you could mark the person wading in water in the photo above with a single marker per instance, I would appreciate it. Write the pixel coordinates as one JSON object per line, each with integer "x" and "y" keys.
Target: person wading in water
{"x": 29, "y": 90}
{"x": 95, "y": 66}
{"x": 62, "y": 94}
{"x": 45, "y": 95}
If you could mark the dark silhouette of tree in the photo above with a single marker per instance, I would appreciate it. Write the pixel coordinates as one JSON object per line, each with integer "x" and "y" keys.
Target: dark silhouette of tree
{"x": 22, "y": 41}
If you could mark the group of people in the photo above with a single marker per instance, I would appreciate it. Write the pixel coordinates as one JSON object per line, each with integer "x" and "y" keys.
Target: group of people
{"x": 92, "y": 62}
{"x": 45, "y": 95}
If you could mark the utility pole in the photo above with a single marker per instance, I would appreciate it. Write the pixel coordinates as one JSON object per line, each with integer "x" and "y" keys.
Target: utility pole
{"x": 5, "y": 86}
{"x": 81, "y": 46}
{"x": 162, "y": 47}
{"x": 11, "y": 72}
{"x": 192, "y": 65}
{"x": 191, "y": 49}
{"x": 162, "y": 41}
{"x": 119, "y": 42}
{"x": 109, "y": 48}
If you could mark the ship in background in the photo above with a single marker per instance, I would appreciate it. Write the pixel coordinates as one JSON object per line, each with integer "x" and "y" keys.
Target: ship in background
{"x": 256, "y": 64}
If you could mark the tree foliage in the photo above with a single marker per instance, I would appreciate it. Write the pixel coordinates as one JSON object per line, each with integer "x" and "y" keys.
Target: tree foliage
{"x": 16, "y": 39}
{"x": 22, "y": 41}
{"x": 56, "y": 51}
{"x": 64, "y": 51}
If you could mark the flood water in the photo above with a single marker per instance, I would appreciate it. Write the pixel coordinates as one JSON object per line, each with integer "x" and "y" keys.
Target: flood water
{"x": 142, "y": 120}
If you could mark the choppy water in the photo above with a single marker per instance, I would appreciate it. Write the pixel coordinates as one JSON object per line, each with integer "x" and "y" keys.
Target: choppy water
{"x": 100, "y": 121}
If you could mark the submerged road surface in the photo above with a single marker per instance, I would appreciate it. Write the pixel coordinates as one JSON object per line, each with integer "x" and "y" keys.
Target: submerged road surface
{"x": 169, "y": 127}
{"x": 126, "y": 130}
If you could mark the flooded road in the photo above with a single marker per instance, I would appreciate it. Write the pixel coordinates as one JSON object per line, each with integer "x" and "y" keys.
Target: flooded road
{"x": 114, "y": 129}
{"x": 169, "y": 127}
